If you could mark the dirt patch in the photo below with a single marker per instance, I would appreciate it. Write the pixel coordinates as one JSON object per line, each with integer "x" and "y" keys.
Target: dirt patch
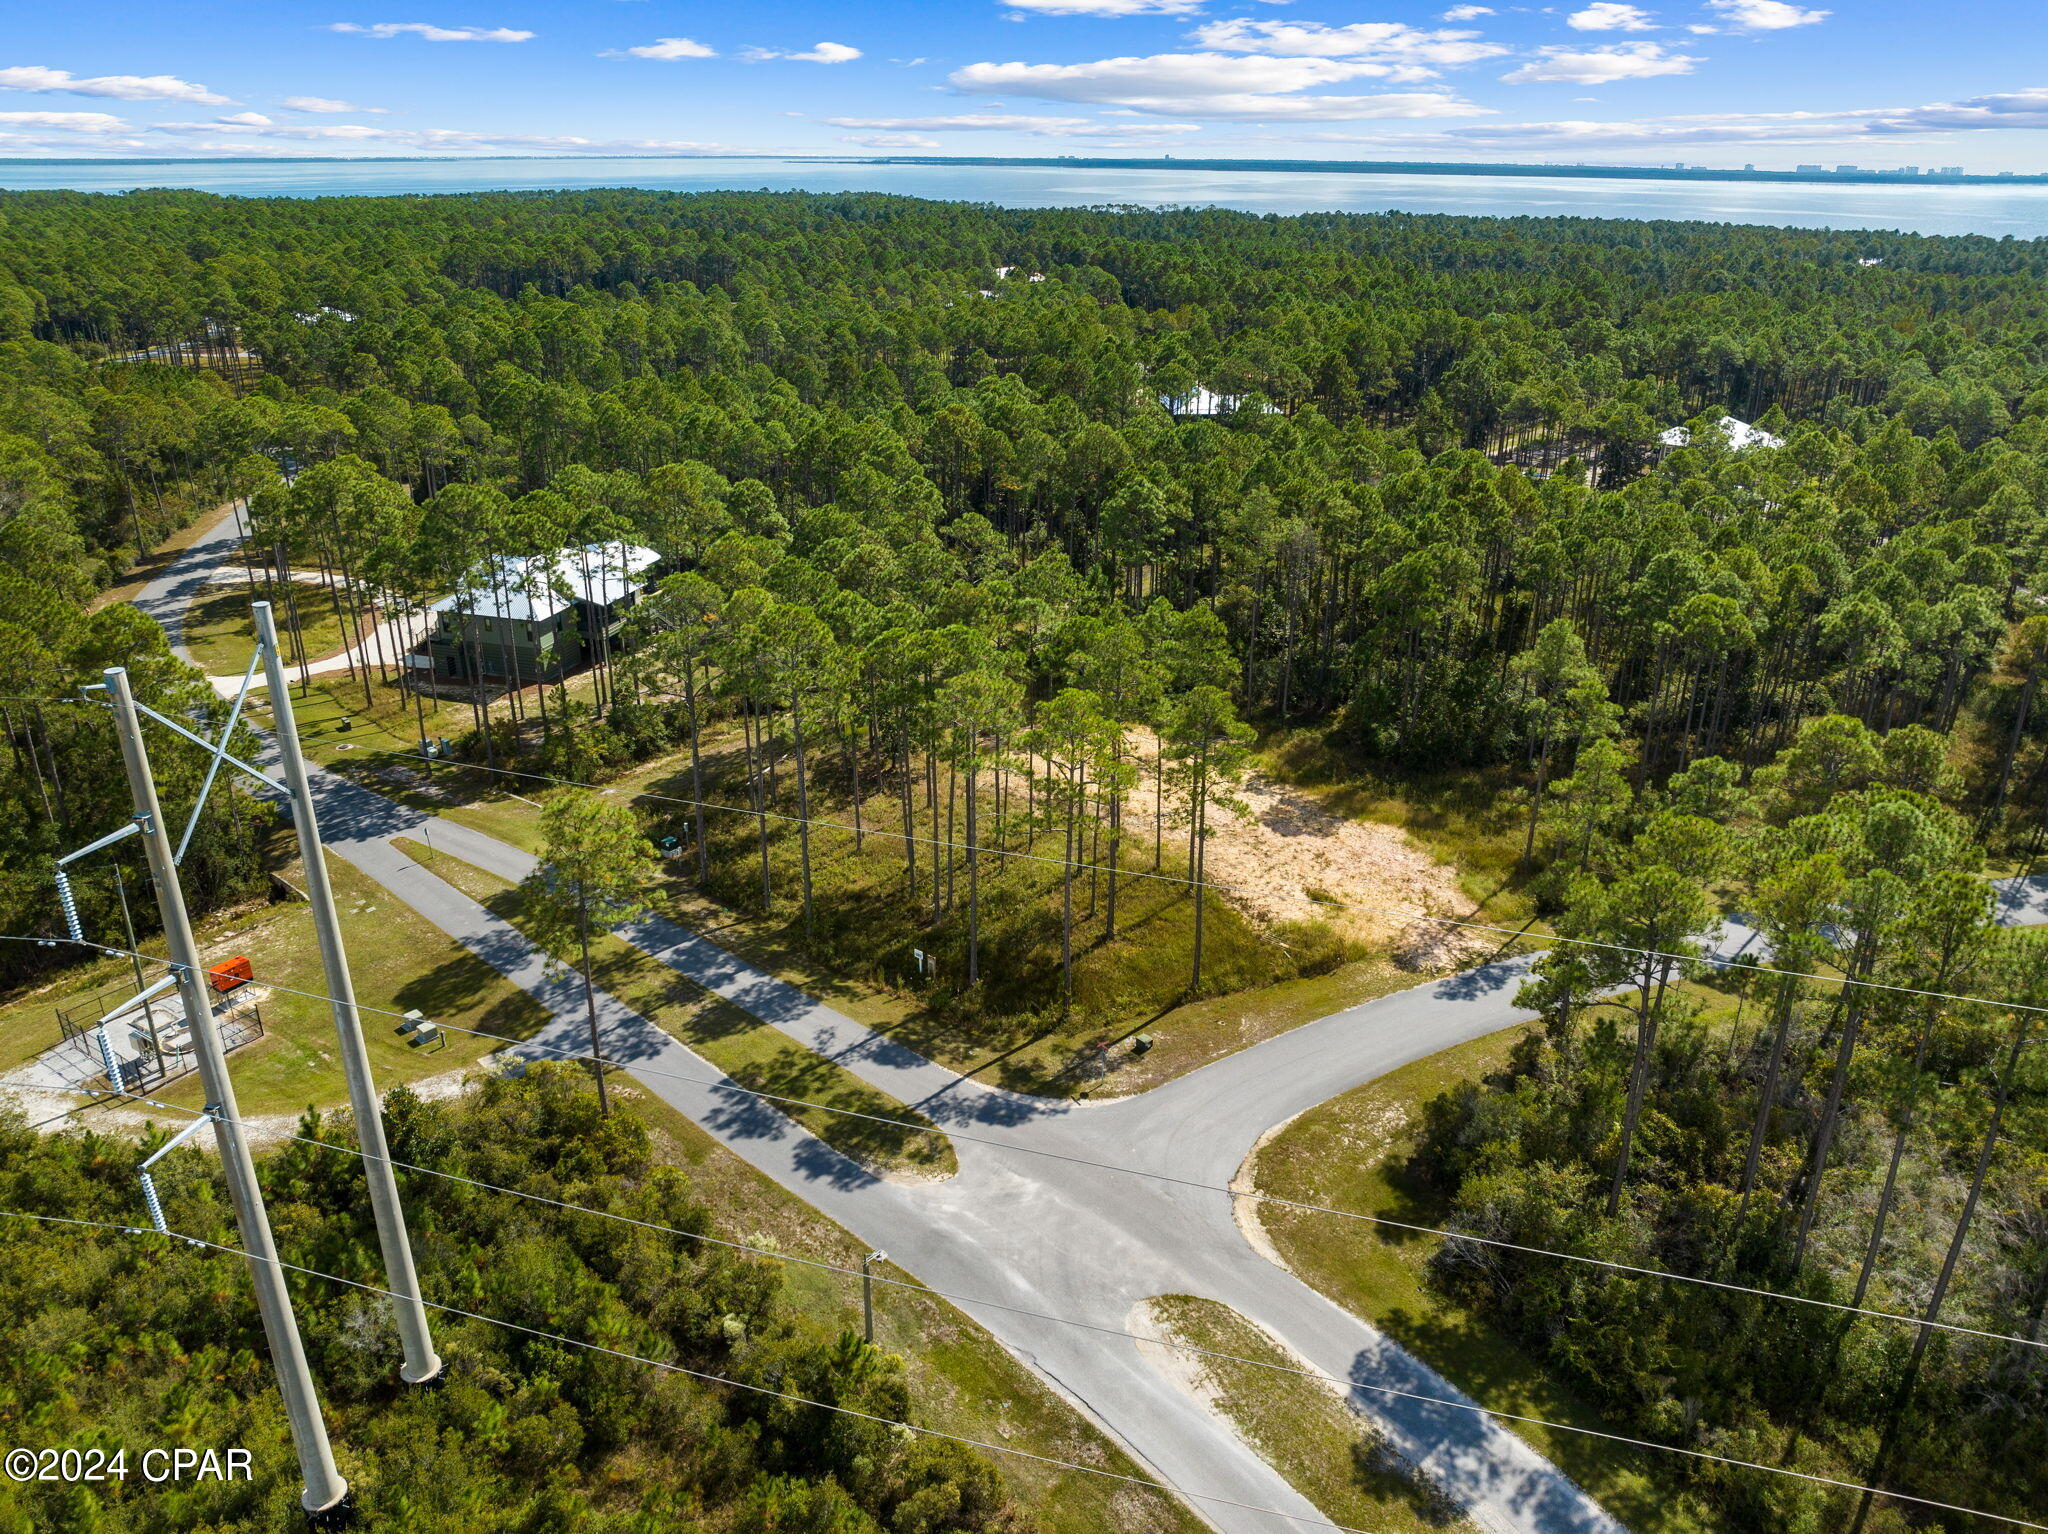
{"x": 1289, "y": 859}
{"x": 61, "y": 1111}
{"x": 1248, "y": 1209}
{"x": 1161, "y": 1348}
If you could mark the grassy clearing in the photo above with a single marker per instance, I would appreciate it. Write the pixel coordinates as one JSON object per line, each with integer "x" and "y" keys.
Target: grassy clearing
{"x": 382, "y": 714}
{"x": 1351, "y": 1154}
{"x": 1045, "y": 1056}
{"x": 1010, "y": 1029}
{"x": 221, "y": 634}
{"x": 398, "y": 959}
{"x": 862, "y": 962}
{"x": 337, "y": 716}
{"x": 872, "y": 915}
{"x": 752, "y": 1053}
{"x": 1302, "y": 1427}
{"x": 963, "y": 1380}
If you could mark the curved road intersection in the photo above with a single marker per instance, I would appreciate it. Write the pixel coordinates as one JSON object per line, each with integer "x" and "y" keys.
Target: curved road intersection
{"x": 1035, "y": 1219}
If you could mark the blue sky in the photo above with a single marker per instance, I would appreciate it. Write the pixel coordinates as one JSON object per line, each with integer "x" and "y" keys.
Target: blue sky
{"x": 1877, "y": 83}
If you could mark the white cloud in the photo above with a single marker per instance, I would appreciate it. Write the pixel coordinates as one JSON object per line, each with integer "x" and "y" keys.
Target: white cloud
{"x": 37, "y": 77}
{"x": 1107, "y": 7}
{"x": 1601, "y": 66}
{"x": 1765, "y": 15}
{"x": 65, "y": 122}
{"x": 1216, "y": 86}
{"x": 432, "y": 33}
{"x": 1135, "y": 131}
{"x": 664, "y": 48}
{"x": 1019, "y": 122}
{"x": 241, "y": 138}
{"x": 1610, "y": 16}
{"x": 965, "y": 122}
{"x": 325, "y": 104}
{"x": 1402, "y": 52}
{"x": 890, "y": 140}
{"x": 302, "y": 132}
{"x": 1467, "y": 12}
{"x": 248, "y": 119}
{"x": 824, "y": 53}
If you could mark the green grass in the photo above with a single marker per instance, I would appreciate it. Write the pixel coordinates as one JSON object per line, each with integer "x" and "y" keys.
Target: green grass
{"x": 28, "y": 1019}
{"x": 397, "y": 958}
{"x": 221, "y": 634}
{"x": 387, "y": 718}
{"x": 511, "y": 818}
{"x": 1012, "y": 1028}
{"x": 963, "y": 1381}
{"x": 1350, "y": 1154}
{"x": 1302, "y": 1427}
{"x": 381, "y": 713}
{"x": 755, "y": 1055}
{"x": 1010, "y": 1032}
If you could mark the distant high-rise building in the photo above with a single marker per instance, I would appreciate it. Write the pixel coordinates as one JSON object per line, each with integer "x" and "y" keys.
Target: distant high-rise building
{"x": 1948, "y": 170}
{"x": 1749, "y": 167}
{"x": 1845, "y": 170}
{"x": 1808, "y": 170}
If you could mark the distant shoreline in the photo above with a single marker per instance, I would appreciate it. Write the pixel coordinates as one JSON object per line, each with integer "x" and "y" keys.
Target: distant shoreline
{"x": 1470, "y": 168}
{"x": 1301, "y": 167}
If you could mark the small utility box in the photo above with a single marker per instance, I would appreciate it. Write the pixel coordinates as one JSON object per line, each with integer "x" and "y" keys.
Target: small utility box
{"x": 421, "y": 1031}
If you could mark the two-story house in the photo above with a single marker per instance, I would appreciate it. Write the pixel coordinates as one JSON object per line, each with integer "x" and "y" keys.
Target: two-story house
{"x": 535, "y": 618}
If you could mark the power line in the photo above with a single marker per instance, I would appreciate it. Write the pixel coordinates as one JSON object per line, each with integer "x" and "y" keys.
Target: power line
{"x": 1038, "y": 1315}
{"x": 932, "y": 1126}
{"x": 1514, "y": 933}
{"x": 726, "y": 1380}
{"x": 1069, "y": 1465}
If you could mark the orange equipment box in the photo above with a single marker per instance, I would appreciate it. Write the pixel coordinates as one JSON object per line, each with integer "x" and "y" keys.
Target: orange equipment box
{"x": 227, "y": 975}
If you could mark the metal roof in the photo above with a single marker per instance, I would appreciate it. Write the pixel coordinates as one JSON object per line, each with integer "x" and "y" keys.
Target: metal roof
{"x": 1740, "y": 435}
{"x": 532, "y": 588}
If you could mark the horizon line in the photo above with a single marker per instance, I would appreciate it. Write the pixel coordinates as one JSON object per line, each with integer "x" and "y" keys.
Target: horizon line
{"x": 1508, "y": 168}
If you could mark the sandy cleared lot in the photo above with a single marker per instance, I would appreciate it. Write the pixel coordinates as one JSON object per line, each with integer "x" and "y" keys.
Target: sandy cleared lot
{"x": 1289, "y": 859}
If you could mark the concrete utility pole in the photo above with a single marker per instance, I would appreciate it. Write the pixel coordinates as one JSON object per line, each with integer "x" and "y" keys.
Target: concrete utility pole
{"x": 325, "y": 1488}
{"x": 422, "y": 1363}
{"x": 867, "y": 1294}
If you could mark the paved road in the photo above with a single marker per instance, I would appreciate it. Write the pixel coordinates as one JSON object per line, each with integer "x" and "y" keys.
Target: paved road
{"x": 204, "y": 564}
{"x": 2022, "y": 901}
{"x": 168, "y": 596}
{"x": 1028, "y": 1221}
